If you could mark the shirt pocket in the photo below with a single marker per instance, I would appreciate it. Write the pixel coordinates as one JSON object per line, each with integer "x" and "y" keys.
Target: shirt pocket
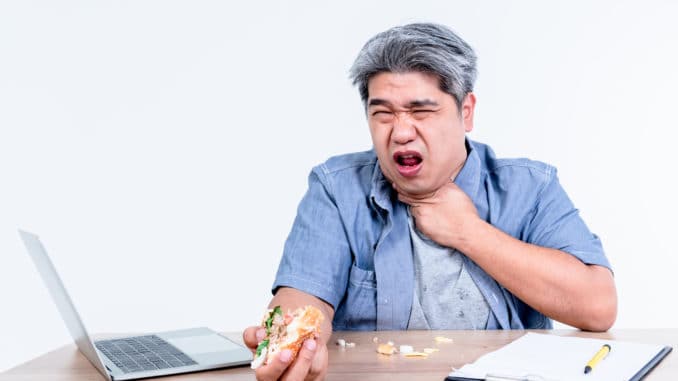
{"x": 361, "y": 300}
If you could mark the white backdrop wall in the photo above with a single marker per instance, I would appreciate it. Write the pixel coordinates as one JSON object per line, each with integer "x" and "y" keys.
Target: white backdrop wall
{"x": 160, "y": 148}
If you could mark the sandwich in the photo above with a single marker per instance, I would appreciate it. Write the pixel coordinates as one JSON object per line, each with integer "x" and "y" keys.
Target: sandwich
{"x": 287, "y": 331}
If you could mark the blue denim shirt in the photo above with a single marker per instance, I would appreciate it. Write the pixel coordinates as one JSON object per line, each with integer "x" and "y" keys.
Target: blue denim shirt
{"x": 350, "y": 243}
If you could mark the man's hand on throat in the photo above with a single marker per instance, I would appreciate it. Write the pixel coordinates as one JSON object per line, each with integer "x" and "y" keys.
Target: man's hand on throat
{"x": 444, "y": 215}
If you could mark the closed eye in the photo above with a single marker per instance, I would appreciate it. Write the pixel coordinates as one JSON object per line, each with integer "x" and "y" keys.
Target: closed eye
{"x": 382, "y": 112}
{"x": 421, "y": 114}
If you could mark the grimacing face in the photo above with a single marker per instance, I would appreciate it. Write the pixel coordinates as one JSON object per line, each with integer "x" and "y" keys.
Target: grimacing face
{"x": 418, "y": 132}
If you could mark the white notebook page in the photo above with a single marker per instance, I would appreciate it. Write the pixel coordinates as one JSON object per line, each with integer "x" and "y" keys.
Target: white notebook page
{"x": 549, "y": 357}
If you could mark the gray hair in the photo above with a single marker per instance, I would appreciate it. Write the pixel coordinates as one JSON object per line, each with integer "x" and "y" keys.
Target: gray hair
{"x": 421, "y": 47}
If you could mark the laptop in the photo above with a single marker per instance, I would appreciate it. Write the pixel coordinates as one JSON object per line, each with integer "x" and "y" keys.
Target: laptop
{"x": 135, "y": 357}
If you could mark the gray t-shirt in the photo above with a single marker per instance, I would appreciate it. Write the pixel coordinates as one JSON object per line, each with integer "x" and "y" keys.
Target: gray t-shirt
{"x": 445, "y": 295}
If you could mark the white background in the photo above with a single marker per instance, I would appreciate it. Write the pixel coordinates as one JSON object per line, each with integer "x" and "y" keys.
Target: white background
{"x": 160, "y": 148}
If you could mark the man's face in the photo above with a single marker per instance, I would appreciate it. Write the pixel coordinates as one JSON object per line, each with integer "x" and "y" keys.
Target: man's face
{"x": 417, "y": 130}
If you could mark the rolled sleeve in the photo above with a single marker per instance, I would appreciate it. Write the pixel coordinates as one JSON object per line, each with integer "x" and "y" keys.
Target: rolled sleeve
{"x": 316, "y": 258}
{"x": 556, "y": 224}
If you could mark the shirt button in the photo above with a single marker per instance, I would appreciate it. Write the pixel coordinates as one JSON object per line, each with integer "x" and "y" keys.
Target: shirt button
{"x": 385, "y": 301}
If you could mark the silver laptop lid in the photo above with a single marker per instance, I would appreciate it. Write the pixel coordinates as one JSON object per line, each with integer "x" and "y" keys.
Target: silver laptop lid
{"x": 62, "y": 300}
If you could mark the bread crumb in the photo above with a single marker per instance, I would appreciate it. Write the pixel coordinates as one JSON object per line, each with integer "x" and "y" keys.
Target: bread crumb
{"x": 431, "y": 350}
{"x": 375, "y": 340}
{"x": 386, "y": 349}
{"x": 341, "y": 342}
{"x": 441, "y": 339}
{"x": 416, "y": 354}
{"x": 404, "y": 349}
{"x": 350, "y": 345}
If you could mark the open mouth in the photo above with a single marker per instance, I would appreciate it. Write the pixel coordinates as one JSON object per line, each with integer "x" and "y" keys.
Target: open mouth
{"x": 408, "y": 162}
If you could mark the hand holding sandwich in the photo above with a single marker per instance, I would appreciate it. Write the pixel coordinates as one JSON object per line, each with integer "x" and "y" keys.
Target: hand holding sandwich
{"x": 291, "y": 345}
{"x": 309, "y": 364}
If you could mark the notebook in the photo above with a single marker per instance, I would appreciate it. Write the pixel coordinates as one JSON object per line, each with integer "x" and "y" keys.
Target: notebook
{"x": 543, "y": 357}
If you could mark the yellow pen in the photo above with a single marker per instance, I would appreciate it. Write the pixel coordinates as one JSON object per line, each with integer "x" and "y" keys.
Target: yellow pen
{"x": 601, "y": 354}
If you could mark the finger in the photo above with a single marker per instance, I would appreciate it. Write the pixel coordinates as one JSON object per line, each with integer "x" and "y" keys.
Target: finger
{"x": 275, "y": 367}
{"x": 319, "y": 366}
{"x": 300, "y": 367}
{"x": 452, "y": 185}
{"x": 252, "y": 336}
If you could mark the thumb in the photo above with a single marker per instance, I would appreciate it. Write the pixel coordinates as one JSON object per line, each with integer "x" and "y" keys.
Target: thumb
{"x": 252, "y": 336}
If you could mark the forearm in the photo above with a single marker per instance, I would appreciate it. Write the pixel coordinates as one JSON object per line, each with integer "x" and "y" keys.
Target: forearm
{"x": 290, "y": 299}
{"x": 551, "y": 281}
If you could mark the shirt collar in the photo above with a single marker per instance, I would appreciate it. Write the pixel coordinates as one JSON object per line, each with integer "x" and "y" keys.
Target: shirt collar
{"x": 468, "y": 179}
{"x": 380, "y": 193}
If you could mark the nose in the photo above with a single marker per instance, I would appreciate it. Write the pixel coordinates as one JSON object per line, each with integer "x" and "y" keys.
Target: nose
{"x": 404, "y": 130}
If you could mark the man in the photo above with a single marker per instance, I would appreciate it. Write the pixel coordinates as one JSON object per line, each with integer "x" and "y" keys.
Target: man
{"x": 430, "y": 230}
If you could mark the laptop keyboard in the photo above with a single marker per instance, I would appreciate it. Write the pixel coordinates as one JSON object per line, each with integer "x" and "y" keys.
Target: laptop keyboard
{"x": 143, "y": 353}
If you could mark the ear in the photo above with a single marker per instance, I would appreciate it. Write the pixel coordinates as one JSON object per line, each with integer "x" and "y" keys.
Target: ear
{"x": 467, "y": 108}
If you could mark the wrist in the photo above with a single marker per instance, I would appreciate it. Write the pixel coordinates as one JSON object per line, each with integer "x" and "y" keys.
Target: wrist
{"x": 470, "y": 231}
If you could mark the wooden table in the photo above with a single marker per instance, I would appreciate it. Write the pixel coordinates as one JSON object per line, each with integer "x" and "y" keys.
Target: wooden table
{"x": 362, "y": 362}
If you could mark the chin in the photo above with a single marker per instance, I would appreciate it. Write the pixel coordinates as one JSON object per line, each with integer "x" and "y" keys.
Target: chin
{"x": 412, "y": 188}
